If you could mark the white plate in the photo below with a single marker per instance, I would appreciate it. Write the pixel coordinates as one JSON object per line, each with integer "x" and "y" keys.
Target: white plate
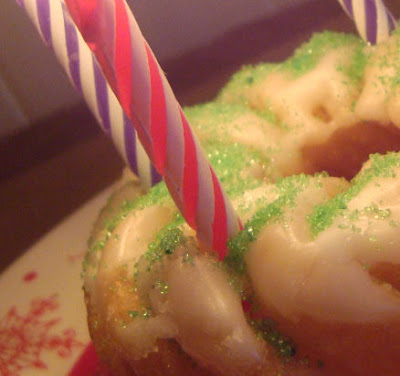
{"x": 42, "y": 315}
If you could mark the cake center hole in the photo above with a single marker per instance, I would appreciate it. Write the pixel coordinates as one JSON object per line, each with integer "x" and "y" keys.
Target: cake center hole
{"x": 343, "y": 154}
{"x": 387, "y": 273}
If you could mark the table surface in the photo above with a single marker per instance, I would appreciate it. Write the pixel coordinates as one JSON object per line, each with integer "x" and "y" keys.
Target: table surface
{"x": 50, "y": 170}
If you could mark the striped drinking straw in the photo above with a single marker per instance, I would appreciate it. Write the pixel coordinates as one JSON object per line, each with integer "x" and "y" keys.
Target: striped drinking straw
{"x": 373, "y": 20}
{"x": 59, "y": 32}
{"x": 111, "y": 31}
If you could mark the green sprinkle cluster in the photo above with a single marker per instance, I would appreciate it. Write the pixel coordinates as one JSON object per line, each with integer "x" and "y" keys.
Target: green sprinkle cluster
{"x": 213, "y": 123}
{"x": 161, "y": 287}
{"x": 309, "y": 54}
{"x": 144, "y": 313}
{"x": 156, "y": 195}
{"x": 323, "y": 215}
{"x": 288, "y": 189}
{"x": 168, "y": 239}
{"x": 250, "y": 78}
{"x": 388, "y": 62}
{"x": 268, "y": 332}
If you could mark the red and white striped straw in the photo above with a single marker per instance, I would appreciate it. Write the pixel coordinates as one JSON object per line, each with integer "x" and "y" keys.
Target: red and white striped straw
{"x": 111, "y": 31}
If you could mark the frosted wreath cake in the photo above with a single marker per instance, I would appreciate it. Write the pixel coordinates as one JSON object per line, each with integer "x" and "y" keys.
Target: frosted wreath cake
{"x": 311, "y": 283}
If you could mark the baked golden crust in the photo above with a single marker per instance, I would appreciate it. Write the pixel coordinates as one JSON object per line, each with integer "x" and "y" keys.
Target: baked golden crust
{"x": 168, "y": 358}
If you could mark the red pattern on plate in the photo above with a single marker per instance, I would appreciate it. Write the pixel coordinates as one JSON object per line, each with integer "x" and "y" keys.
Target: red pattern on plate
{"x": 30, "y": 276}
{"x": 76, "y": 257}
{"x": 24, "y": 338}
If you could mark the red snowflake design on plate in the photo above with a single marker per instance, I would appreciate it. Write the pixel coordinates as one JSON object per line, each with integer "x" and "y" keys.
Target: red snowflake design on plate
{"x": 24, "y": 338}
{"x": 30, "y": 276}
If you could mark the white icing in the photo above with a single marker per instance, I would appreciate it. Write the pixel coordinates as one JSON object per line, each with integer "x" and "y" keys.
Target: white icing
{"x": 129, "y": 241}
{"x": 326, "y": 277}
{"x": 209, "y": 315}
{"x": 379, "y": 99}
{"x": 298, "y": 102}
{"x": 201, "y": 309}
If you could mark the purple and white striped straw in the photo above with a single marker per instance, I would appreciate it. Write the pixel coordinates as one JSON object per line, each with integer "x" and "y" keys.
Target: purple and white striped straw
{"x": 373, "y": 20}
{"x": 59, "y": 32}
